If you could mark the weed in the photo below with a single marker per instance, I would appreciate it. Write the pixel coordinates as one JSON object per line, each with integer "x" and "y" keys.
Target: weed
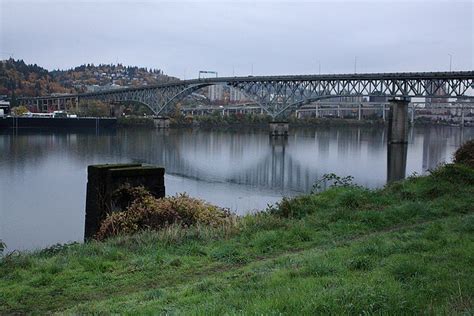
{"x": 405, "y": 270}
{"x": 229, "y": 253}
{"x": 363, "y": 263}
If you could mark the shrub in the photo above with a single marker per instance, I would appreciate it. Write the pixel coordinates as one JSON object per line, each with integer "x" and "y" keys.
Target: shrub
{"x": 124, "y": 196}
{"x": 148, "y": 212}
{"x": 465, "y": 154}
{"x": 19, "y": 110}
{"x": 454, "y": 173}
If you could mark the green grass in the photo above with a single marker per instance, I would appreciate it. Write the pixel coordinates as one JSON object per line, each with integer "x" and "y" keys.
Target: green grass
{"x": 404, "y": 249}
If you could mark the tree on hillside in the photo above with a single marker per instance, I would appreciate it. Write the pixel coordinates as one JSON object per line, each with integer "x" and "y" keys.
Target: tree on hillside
{"x": 93, "y": 108}
{"x": 19, "y": 110}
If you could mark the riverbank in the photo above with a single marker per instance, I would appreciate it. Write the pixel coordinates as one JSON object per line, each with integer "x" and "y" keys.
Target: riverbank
{"x": 260, "y": 122}
{"x": 403, "y": 249}
{"x": 64, "y": 123}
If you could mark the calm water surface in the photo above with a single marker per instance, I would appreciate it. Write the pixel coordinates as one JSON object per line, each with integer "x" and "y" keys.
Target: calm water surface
{"x": 43, "y": 174}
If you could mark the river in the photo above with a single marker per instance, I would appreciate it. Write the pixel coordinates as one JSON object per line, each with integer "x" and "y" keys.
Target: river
{"x": 43, "y": 174}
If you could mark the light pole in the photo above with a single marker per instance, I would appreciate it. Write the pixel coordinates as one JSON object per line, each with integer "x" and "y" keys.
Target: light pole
{"x": 319, "y": 66}
{"x": 355, "y": 64}
{"x": 450, "y": 61}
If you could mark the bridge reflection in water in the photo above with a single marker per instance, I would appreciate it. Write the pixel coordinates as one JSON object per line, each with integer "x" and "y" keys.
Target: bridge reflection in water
{"x": 43, "y": 174}
{"x": 291, "y": 165}
{"x": 251, "y": 159}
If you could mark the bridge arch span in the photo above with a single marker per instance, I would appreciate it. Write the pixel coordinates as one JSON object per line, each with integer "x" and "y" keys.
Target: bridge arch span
{"x": 278, "y": 94}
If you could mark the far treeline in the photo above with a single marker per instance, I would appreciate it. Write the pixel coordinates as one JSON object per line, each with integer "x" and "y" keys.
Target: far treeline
{"x": 18, "y": 79}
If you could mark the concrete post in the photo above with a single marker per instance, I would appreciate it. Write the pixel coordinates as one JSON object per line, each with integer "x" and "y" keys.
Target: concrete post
{"x": 161, "y": 122}
{"x": 104, "y": 180}
{"x": 398, "y": 122}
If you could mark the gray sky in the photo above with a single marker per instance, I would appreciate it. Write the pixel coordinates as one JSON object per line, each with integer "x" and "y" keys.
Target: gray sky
{"x": 291, "y": 37}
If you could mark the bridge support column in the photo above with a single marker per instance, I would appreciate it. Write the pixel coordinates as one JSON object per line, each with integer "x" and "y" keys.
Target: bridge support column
{"x": 279, "y": 128}
{"x": 360, "y": 112}
{"x": 161, "y": 122}
{"x": 383, "y": 112}
{"x": 398, "y": 122}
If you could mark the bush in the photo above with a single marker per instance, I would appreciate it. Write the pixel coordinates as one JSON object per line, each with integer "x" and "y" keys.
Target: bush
{"x": 19, "y": 110}
{"x": 148, "y": 212}
{"x": 465, "y": 154}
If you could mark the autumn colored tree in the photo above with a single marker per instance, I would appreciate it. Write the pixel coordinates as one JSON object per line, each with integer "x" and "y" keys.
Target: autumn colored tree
{"x": 19, "y": 110}
{"x": 93, "y": 108}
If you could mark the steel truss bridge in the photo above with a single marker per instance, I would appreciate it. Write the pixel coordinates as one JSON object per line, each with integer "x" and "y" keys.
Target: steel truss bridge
{"x": 277, "y": 95}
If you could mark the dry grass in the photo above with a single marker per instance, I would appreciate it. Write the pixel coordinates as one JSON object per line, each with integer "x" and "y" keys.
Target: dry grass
{"x": 146, "y": 212}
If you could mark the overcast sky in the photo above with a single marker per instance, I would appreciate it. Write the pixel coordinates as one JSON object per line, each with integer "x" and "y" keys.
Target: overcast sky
{"x": 276, "y": 37}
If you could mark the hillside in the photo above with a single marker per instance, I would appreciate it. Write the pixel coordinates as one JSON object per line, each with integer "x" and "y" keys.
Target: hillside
{"x": 20, "y": 79}
{"x": 405, "y": 249}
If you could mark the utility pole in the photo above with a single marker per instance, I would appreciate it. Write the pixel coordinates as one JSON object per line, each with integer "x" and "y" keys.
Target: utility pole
{"x": 355, "y": 64}
{"x": 450, "y": 61}
{"x": 319, "y": 66}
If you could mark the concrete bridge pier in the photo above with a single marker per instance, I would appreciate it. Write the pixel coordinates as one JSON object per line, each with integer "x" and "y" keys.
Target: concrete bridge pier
{"x": 398, "y": 121}
{"x": 279, "y": 128}
{"x": 161, "y": 122}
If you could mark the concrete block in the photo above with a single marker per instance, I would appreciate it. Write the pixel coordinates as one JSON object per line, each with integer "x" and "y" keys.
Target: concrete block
{"x": 104, "y": 180}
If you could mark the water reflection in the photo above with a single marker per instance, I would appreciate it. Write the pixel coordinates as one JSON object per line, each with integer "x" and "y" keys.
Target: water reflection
{"x": 396, "y": 162}
{"x": 43, "y": 174}
{"x": 290, "y": 164}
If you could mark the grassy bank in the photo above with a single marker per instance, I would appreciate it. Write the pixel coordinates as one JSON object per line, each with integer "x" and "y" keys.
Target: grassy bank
{"x": 407, "y": 248}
